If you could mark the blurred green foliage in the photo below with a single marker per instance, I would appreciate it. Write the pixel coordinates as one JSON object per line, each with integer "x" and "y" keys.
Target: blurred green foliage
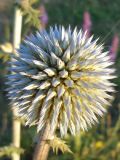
{"x": 102, "y": 142}
{"x": 105, "y": 14}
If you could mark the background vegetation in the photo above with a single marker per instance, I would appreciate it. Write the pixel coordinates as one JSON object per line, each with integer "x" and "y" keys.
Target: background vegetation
{"x": 102, "y": 142}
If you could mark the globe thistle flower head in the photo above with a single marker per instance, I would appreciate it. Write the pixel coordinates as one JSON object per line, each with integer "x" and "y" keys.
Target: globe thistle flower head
{"x": 61, "y": 76}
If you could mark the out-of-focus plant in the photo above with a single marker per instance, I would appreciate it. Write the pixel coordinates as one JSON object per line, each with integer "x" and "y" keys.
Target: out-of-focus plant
{"x": 31, "y": 15}
{"x": 43, "y": 17}
{"x": 8, "y": 151}
{"x": 114, "y": 47}
{"x": 5, "y": 51}
{"x": 87, "y": 24}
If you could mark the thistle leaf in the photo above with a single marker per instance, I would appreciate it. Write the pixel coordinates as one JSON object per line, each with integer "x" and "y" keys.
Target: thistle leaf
{"x": 8, "y": 150}
{"x": 58, "y": 144}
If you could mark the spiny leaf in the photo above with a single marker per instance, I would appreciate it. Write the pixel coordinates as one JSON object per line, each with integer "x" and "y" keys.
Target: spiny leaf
{"x": 59, "y": 144}
{"x": 8, "y": 150}
{"x": 31, "y": 14}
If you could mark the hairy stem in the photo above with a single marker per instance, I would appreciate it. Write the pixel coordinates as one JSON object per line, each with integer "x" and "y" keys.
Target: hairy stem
{"x": 42, "y": 148}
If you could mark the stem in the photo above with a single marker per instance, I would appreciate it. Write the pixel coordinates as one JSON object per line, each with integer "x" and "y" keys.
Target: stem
{"x": 42, "y": 148}
{"x": 16, "y": 43}
{"x": 17, "y": 29}
{"x": 16, "y": 135}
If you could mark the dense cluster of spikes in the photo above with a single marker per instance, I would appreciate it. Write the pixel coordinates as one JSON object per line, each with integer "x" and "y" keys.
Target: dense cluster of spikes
{"x": 61, "y": 76}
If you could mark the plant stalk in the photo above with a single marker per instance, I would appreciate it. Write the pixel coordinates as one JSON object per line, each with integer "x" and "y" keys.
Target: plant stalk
{"x": 16, "y": 43}
{"x": 42, "y": 148}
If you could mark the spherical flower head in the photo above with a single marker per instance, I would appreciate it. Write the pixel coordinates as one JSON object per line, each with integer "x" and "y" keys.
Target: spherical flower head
{"x": 61, "y": 76}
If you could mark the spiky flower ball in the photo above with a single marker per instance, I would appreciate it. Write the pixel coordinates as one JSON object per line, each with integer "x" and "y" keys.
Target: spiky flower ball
{"x": 63, "y": 77}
